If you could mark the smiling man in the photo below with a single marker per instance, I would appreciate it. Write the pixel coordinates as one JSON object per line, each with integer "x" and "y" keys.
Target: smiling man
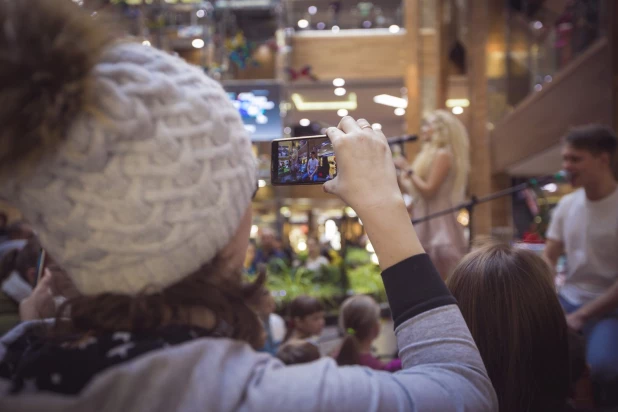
{"x": 584, "y": 227}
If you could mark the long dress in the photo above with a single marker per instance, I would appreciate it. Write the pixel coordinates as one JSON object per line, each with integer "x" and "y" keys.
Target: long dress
{"x": 442, "y": 237}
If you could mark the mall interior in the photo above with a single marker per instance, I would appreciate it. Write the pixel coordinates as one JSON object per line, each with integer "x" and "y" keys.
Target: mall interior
{"x": 517, "y": 75}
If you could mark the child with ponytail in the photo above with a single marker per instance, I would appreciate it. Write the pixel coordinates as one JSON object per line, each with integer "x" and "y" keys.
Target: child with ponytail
{"x": 360, "y": 319}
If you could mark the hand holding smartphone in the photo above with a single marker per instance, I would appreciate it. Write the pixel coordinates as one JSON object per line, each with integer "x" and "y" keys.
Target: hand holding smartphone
{"x": 302, "y": 161}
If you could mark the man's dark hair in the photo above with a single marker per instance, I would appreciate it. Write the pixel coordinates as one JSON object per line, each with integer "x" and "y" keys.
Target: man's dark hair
{"x": 19, "y": 230}
{"x": 314, "y": 153}
{"x": 4, "y": 218}
{"x": 594, "y": 138}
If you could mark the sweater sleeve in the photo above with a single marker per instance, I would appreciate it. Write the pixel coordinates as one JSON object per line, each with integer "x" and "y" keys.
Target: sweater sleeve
{"x": 442, "y": 368}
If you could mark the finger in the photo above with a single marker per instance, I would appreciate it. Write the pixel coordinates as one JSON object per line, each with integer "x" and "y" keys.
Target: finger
{"x": 349, "y": 125}
{"x": 334, "y": 134}
{"x": 330, "y": 187}
{"x": 363, "y": 124}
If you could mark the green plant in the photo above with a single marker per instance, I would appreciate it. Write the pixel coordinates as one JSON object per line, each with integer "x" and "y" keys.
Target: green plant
{"x": 356, "y": 256}
{"x": 366, "y": 279}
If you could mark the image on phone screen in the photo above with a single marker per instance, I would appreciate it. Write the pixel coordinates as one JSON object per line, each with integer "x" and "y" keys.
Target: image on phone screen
{"x": 303, "y": 160}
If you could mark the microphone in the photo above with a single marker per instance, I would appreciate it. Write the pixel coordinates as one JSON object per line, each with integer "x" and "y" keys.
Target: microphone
{"x": 402, "y": 139}
{"x": 560, "y": 177}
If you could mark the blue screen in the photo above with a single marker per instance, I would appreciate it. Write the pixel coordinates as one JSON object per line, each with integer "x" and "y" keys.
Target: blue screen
{"x": 259, "y": 108}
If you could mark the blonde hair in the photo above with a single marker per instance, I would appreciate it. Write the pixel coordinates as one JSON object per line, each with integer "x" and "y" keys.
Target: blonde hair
{"x": 448, "y": 134}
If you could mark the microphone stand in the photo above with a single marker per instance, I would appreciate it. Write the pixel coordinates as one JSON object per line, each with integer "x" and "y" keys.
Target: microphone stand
{"x": 470, "y": 204}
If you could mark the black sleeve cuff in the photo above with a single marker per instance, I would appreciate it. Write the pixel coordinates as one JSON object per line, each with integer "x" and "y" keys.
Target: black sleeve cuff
{"x": 413, "y": 286}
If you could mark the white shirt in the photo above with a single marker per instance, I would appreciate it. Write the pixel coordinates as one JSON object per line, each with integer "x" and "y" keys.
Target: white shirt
{"x": 315, "y": 264}
{"x": 277, "y": 327}
{"x": 312, "y": 165}
{"x": 589, "y": 232}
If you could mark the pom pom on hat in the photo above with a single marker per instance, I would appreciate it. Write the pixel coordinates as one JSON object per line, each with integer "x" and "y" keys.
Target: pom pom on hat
{"x": 149, "y": 170}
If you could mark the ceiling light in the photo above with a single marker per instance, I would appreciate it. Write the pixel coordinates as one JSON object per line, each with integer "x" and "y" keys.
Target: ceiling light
{"x": 376, "y": 126}
{"x": 200, "y": 13}
{"x": 400, "y": 111}
{"x": 261, "y": 183}
{"x": 338, "y": 82}
{"x": 366, "y": 24}
{"x": 342, "y": 112}
{"x": 303, "y": 24}
{"x": 340, "y": 91}
{"x": 287, "y": 130}
{"x": 392, "y": 101}
{"x": 457, "y": 110}
{"x": 146, "y": 43}
{"x": 350, "y": 104}
{"x": 335, "y": 29}
{"x": 458, "y": 102}
{"x": 321, "y": 25}
{"x": 197, "y": 43}
{"x": 394, "y": 29}
{"x": 304, "y": 122}
{"x": 312, "y": 10}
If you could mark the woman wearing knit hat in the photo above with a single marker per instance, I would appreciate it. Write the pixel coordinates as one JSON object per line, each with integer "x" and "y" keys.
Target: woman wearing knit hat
{"x": 136, "y": 172}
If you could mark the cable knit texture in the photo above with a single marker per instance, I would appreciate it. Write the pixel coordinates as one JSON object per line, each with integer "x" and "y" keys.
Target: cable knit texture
{"x": 151, "y": 181}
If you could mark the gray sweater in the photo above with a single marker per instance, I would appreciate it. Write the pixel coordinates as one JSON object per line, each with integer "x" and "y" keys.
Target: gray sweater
{"x": 442, "y": 371}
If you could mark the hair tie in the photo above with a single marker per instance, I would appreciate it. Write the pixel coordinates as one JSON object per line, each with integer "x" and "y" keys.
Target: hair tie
{"x": 351, "y": 331}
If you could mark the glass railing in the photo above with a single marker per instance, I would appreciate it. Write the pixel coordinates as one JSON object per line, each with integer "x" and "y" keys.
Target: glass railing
{"x": 305, "y": 15}
{"x": 536, "y": 47}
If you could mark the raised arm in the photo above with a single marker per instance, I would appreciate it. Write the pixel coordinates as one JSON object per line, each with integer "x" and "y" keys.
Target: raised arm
{"x": 443, "y": 370}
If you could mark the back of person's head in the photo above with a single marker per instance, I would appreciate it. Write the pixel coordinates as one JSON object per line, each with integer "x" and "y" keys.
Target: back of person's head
{"x": 294, "y": 352}
{"x": 359, "y": 318}
{"x": 4, "y": 219}
{"x": 507, "y": 297}
{"x": 19, "y": 230}
{"x": 134, "y": 167}
{"x": 23, "y": 261}
{"x": 306, "y": 315}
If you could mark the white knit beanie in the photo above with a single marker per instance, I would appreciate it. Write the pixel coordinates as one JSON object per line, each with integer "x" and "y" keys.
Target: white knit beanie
{"x": 148, "y": 186}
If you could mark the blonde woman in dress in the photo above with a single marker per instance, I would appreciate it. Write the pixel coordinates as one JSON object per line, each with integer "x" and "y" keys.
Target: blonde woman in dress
{"x": 436, "y": 181}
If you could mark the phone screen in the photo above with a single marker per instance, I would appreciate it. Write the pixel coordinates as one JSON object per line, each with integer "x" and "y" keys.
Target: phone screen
{"x": 40, "y": 266}
{"x": 303, "y": 161}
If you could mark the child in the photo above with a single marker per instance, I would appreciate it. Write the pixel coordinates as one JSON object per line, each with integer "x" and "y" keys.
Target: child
{"x": 360, "y": 319}
{"x": 306, "y": 319}
{"x": 294, "y": 352}
{"x": 263, "y": 303}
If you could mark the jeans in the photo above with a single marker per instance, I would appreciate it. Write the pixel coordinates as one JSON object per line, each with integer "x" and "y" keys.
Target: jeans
{"x": 601, "y": 348}
{"x": 315, "y": 176}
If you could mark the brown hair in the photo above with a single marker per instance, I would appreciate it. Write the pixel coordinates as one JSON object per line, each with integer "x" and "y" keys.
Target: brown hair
{"x": 508, "y": 299}
{"x": 301, "y": 307}
{"x": 298, "y": 351}
{"x": 358, "y": 317}
{"x": 20, "y": 260}
{"x": 225, "y": 296}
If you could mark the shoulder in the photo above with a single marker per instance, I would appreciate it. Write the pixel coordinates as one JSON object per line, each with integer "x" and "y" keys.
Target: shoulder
{"x": 444, "y": 157}
{"x": 572, "y": 199}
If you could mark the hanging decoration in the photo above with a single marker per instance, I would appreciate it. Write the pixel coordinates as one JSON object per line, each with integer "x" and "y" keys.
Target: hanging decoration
{"x": 305, "y": 72}
{"x": 240, "y": 51}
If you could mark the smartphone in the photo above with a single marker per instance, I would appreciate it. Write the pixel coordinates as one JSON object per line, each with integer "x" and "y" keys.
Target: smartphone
{"x": 306, "y": 160}
{"x": 40, "y": 266}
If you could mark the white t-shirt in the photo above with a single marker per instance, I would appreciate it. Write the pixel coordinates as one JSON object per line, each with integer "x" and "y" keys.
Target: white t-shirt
{"x": 589, "y": 232}
{"x": 312, "y": 165}
{"x": 312, "y": 264}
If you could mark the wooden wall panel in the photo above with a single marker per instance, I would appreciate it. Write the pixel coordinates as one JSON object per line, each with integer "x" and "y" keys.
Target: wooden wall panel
{"x": 351, "y": 56}
{"x": 578, "y": 95}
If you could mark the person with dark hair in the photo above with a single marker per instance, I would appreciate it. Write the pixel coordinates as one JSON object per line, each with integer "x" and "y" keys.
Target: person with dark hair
{"x": 294, "y": 352}
{"x": 584, "y": 227}
{"x": 4, "y": 220}
{"x": 312, "y": 168}
{"x": 359, "y": 318}
{"x": 18, "y": 234}
{"x": 507, "y": 298}
{"x": 306, "y": 319}
{"x": 274, "y": 326}
{"x": 138, "y": 174}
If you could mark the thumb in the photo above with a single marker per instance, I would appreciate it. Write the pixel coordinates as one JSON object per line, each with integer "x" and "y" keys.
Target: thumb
{"x": 330, "y": 187}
